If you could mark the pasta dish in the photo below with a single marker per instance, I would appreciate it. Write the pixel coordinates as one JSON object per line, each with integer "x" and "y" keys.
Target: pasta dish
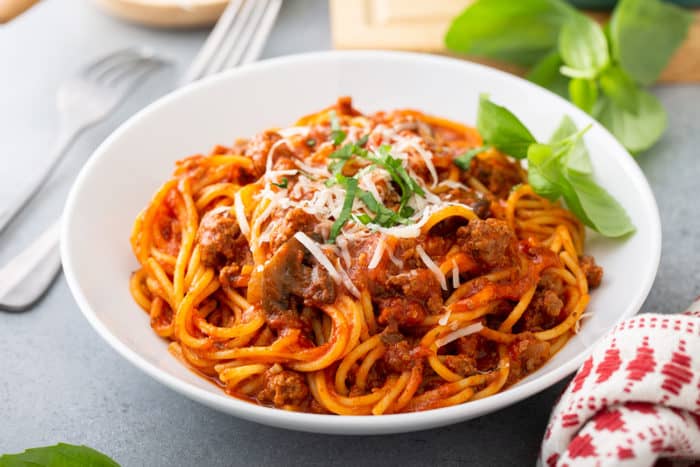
{"x": 360, "y": 265}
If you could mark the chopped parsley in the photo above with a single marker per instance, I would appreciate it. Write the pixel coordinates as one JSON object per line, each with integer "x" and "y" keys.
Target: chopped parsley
{"x": 311, "y": 142}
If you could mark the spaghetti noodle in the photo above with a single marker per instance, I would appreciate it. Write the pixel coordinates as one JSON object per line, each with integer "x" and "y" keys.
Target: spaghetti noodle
{"x": 346, "y": 265}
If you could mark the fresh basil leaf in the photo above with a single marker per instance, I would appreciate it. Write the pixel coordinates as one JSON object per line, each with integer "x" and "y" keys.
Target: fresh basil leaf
{"x": 635, "y": 132}
{"x": 502, "y": 130}
{"x": 546, "y": 73}
{"x": 362, "y": 141}
{"x": 346, "y": 211}
{"x": 645, "y": 34}
{"x": 619, "y": 87}
{"x": 364, "y": 219}
{"x": 583, "y": 93}
{"x": 464, "y": 161}
{"x": 60, "y": 455}
{"x": 543, "y": 171}
{"x": 283, "y": 183}
{"x": 578, "y": 158}
{"x": 337, "y": 134}
{"x": 582, "y": 45}
{"x": 604, "y": 213}
{"x": 518, "y": 32}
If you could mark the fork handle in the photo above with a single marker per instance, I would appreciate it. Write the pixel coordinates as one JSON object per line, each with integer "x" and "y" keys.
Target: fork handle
{"x": 12, "y": 8}
{"x": 64, "y": 142}
{"x": 26, "y": 278}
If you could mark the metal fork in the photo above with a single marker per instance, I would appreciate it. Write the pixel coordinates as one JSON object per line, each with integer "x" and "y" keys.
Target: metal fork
{"x": 84, "y": 100}
{"x": 237, "y": 39}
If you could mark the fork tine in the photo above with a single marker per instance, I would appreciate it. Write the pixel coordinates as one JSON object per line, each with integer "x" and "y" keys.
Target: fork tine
{"x": 111, "y": 59}
{"x": 130, "y": 74}
{"x": 213, "y": 42}
{"x": 239, "y": 25}
{"x": 262, "y": 32}
{"x": 239, "y": 44}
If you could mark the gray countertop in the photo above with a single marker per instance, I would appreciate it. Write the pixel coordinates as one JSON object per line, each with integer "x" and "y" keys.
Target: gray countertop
{"x": 60, "y": 382}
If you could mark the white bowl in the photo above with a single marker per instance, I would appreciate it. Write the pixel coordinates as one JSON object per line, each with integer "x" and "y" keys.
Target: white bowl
{"x": 126, "y": 169}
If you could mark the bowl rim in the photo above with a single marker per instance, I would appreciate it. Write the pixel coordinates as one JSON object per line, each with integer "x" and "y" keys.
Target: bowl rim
{"x": 347, "y": 424}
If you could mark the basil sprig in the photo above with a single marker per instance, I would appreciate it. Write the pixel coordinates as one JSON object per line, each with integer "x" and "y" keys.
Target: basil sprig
{"x": 601, "y": 70}
{"x": 560, "y": 168}
{"x": 60, "y": 455}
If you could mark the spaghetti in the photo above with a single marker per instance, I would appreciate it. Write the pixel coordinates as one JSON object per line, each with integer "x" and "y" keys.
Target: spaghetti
{"x": 346, "y": 265}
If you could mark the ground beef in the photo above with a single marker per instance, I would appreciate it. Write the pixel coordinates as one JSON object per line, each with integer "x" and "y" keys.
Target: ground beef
{"x": 546, "y": 305}
{"x": 527, "y": 354}
{"x": 421, "y": 285}
{"x": 291, "y": 278}
{"x": 402, "y": 356}
{"x": 463, "y": 365}
{"x": 490, "y": 242}
{"x": 230, "y": 276}
{"x": 283, "y": 388}
{"x": 593, "y": 272}
{"x": 258, "y": 150}
{"x": 220, "y": 239}
{"x": 498, "y": 174}
{"x": 470, "y": 354}
{"x": 480, "y": 206}
{"x": 295, "y": 220}
{"x": 400, "y": 310}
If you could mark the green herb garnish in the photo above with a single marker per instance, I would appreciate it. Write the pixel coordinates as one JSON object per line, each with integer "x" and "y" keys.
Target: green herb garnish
{"x": 350, "y": 191}
{"x": 600, "y": 69}
{"x": 311, "y": 142}
{"x": 383, "y": 216}
{"x": 283, "y": 183}
{"x": 558, "y": 169}
{"x": 464, "y": 161}
{"x": 337, "y": 135}
{"x": 60, "y": 455}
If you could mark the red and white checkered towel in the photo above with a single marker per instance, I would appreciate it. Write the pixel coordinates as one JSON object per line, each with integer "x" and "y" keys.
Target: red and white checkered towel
{"x": 635, "y": 400}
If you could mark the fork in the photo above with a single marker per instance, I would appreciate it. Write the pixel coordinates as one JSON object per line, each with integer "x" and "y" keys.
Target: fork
{"x": 83, "y": 101}
{"x": 237, "y": 39}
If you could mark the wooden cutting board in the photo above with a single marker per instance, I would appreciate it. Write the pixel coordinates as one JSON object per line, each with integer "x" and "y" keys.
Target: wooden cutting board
{"x": 421, "y": 25}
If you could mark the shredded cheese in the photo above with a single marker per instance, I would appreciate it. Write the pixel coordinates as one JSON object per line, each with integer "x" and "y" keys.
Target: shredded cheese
{"x": 461, "y": 332}
{"x": 444, "y": 319}
{"x": 240, "y": 215}
{"x": 317, "y": 253}
{"x": 268, "y": 162}
{"x": 348, "y": 283}
{"x": 342, "y": 243}
{"x": 455, "y": 274}
{"x": 293, "y": 131}
{"x": 434, "y": 268}
{"x": 378, "y": 253}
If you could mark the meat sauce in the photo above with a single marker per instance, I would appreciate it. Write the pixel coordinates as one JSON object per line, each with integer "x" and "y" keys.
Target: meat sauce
{"x": 292, "y": 285}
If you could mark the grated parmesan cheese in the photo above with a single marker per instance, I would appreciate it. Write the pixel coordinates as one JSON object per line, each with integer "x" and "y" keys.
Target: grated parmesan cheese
{"x": 461, "y": 332}
{"x": 317, "y": 253}
{"x": 294, "y": 131}
{"x": 455, "y": 274}
{"x": 444, "y": 319}
{"x": 348, "y": 283}
{"x": 240, "y": 214}
{"x": 434, "y": 268}
{"x": 378, "y": 253}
